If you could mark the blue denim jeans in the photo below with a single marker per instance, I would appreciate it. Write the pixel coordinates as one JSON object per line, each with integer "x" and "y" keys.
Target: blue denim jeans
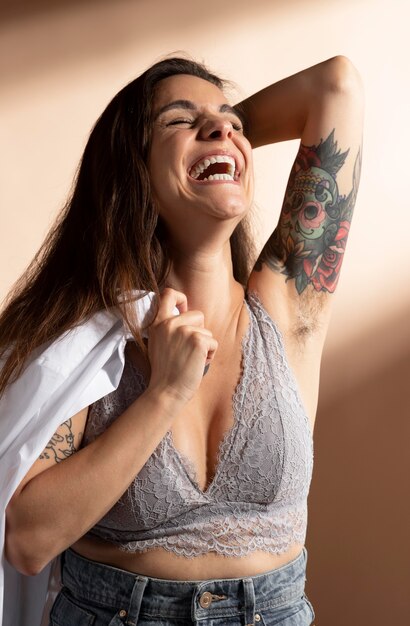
{"x": 100, "y": 595}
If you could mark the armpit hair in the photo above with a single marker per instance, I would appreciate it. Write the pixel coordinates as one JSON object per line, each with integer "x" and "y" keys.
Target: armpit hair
{"x": 308, "y": 319}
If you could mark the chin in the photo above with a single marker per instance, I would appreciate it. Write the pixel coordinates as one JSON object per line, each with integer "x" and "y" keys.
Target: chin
{"x": 231, "y": 209}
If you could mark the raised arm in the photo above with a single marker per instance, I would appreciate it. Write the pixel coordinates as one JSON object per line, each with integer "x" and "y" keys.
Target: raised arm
{"x": 299, "y": 266}
{"x": 323, "y": 105}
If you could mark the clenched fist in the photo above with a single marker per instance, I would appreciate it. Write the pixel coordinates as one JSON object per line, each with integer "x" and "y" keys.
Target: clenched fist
{"x": 179, "y": 347}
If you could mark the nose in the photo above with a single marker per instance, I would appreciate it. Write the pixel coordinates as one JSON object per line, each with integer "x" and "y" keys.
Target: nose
{"x": 215, "y": 128}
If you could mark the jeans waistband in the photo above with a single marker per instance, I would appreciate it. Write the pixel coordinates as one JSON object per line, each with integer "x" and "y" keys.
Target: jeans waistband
{"x": 195, "y": 599}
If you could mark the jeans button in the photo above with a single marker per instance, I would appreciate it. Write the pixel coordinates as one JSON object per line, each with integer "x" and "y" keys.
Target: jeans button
{"x": 122, "y": 613}
{"x": 257, "y": 617}
{"x": 205, "y": 600}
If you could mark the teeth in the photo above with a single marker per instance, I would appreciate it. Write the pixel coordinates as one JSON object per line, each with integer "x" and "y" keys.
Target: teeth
{"x": 218, "y": 158}
{"x": 219, "y": 177}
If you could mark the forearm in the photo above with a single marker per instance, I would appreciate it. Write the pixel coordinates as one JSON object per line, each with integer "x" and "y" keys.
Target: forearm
{"x": 59, "y": 505}
{"x": 281, "y": 111}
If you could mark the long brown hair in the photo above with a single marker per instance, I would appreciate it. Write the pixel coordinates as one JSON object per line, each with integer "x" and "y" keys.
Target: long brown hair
{"x": 109, "y": 239}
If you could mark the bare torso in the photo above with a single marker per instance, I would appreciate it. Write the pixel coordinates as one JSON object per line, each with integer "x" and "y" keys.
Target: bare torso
{"x": 159, "y": 563}
{"x": 197, "y": 432}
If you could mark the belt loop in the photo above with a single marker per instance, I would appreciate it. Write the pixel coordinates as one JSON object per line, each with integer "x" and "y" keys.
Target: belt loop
{"x": 249, "y": 601}
{"x": 136, "y": 600}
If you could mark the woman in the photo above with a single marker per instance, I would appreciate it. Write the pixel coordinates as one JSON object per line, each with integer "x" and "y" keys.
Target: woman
{"x": 180, "y": 497}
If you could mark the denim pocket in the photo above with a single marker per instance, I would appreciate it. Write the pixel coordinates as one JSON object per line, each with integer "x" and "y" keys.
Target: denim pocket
{"x": 65, "y": 612}
{"x": 297, "y": 613}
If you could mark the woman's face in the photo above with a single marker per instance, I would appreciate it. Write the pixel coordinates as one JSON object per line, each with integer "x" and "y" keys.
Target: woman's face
{"x": 200, "y": 162}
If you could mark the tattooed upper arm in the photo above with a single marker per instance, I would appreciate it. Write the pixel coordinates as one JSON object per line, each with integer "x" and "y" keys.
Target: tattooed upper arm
{"x": 309, "y": 242}
{"x": 299, "y": 267}
{"x": 63, "y": 443}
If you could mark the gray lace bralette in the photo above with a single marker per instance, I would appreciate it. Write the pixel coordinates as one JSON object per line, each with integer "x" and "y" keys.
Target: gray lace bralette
{"x": 257, "y": 499}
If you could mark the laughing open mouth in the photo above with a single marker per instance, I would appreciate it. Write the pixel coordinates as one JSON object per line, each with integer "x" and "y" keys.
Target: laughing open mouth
{"x": 217, "y": 167}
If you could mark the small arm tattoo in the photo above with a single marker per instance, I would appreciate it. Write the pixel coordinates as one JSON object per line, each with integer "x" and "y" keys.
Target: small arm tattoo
{"x": 309, "y": 242}
{"x": 61, "y": 444}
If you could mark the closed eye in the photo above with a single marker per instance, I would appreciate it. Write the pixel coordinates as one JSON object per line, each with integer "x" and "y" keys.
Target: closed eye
{"x": 237, "y": 126}
{"x": 180, "y": 121}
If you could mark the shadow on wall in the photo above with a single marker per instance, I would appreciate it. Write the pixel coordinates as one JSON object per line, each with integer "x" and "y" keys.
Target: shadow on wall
{"x": 12, "y": 9}
{"x": 58, "y": 32}
{"x": 15, "y": 9}
{"x": 359, "y": 510}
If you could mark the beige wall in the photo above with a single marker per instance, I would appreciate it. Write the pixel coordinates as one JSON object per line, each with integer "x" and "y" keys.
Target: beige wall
{"x": 62, "y": 61}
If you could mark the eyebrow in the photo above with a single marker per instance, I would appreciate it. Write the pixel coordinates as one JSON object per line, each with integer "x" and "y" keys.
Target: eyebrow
{"x": 188, "y": 105}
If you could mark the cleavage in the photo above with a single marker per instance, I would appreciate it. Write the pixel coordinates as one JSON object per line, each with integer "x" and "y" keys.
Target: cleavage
{"x": 212, "y": 415}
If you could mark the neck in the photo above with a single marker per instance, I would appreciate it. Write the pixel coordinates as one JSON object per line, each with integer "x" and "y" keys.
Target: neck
{"x": 206, "y": 278}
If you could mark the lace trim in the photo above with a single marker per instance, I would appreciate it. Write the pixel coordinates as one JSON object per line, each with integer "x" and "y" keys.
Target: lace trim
{"x": 234, "y": 537}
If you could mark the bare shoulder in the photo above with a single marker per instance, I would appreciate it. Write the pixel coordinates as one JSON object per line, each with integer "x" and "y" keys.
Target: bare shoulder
{"x": 295, "y": 317}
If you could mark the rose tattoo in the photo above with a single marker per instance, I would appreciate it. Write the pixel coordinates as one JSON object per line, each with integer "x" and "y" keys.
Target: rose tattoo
{"x": 310, "y": 239}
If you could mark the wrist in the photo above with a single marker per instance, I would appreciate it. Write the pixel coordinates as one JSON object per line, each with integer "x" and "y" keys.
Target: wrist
{"x": 164, "y": 401}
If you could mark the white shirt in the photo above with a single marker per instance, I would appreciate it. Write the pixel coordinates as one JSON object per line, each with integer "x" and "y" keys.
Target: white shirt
{"x": 61, "y": 379}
